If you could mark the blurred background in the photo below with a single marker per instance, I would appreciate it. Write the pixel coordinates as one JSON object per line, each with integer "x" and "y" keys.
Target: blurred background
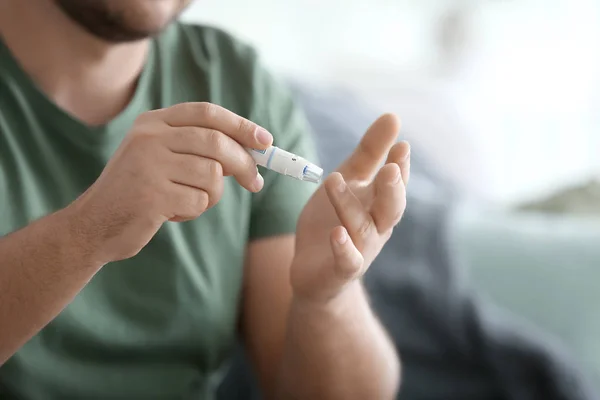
{"x": 501, "y": 99}
{"x": 511, "y": 86}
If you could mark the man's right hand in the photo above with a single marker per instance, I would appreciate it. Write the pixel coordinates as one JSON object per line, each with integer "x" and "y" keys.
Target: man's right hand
{"x": 170, "y": 167}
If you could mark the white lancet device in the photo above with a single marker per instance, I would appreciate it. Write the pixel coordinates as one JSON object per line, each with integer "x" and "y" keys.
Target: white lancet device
{"x": 286, "y": 163}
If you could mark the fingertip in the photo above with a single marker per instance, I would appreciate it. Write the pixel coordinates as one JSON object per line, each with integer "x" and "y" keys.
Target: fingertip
{"x": 391, "y": 119}
{"x": 348, "y": 260}
{"x": 339, "y": 235}
{"x": 405, "y": 166}
{"x": 390, "y": 174}
{"x": 399, "y": 152}
{"x": 264, "y": 139}
{"x": 394, "y": 169}
{"x": 335, "y": 176}
{"x": 335, "y": 183}
{"x": 382, "y": 134}
{"x": 405, "y": 147}
{"x": 258, "y": 183}
{"x": 253, "y": 185}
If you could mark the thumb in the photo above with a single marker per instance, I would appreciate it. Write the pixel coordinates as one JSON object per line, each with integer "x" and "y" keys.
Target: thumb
{"x": 372, "y": 149}
{"x": 349, "y": 262}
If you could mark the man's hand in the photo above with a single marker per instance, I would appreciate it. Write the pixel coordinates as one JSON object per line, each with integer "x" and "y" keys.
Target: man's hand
{"x": 169, "y": 167}
{"x": 334, "y": 346}
{"x": 349, "y": 219}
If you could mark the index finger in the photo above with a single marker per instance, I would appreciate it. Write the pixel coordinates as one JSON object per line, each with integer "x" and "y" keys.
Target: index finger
{"x": 212, "y": 116}
{"x": 350, "y": 210}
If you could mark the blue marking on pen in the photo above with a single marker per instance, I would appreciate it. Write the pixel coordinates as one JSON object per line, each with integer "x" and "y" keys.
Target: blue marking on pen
{"x": 271, "y": 157}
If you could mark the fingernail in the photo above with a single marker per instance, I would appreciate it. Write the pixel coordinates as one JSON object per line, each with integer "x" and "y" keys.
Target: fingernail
{"x": 407, "y": 155}
{"x": 398, "y": 177}
{"x": 258, "y": 182}
{"x": 263, "y": 136}
{"x": 341, "y": 187}
{"x": 342, "y": 237}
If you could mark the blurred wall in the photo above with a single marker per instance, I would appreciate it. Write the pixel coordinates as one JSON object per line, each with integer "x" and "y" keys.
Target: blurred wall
{"x": 310, "y": 37}
{"x": 502, "y": 94}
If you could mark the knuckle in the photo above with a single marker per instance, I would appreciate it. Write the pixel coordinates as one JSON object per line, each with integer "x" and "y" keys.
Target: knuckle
{"x": 183, "y": 134}
{"x": 246, "y": 127}
{"x": 145, "y": 117}
{"x": 209, "y": 175}
{"x": 145, "y": 128}
{"x": 217, "y": 141}
{"x": 248, "y": 164}
{"x": 216, "y": 194}
{"x": 186, "y": 108}
{"x": 398, "y": 216}
{"x": 196, "y": 203}
{"x": 214, "y": 170}
{"x": 142, "y": 136}
{"x": 202, "y": 200}
{"x": 401, "y": 189}
{"x": 387, "y": 234}
{"x": 365, "y": 228}
{"x": 208, "y": 111}
{"x": 369, "y": 149}
{"x": 358, "y": 262}
{"x": 352, "y": 266}
{"x": 191, "y": 166}
{"x": 188, "y": 136}
{"x": 401, "y": 207}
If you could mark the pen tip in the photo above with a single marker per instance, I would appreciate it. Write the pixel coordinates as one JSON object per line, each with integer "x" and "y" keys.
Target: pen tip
{"x": 312, "y": 173}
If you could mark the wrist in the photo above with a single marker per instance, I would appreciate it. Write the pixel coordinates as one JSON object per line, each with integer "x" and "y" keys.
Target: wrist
{"x": 351, "y": 298}
{"x": 79, "y": 240}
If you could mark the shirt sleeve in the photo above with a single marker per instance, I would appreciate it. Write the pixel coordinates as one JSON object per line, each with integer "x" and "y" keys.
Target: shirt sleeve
{"x": 276, "y": 208}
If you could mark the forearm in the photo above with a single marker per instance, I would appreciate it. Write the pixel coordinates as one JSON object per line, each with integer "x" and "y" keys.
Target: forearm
{"x": 42, "y": 268}
{"x": 338, "y": 350}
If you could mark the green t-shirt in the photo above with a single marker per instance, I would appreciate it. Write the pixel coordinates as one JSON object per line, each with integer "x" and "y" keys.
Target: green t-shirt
{"x": 159, "y": 325}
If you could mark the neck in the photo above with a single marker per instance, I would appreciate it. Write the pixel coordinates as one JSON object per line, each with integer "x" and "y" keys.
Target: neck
{"x": 91, "y": 79}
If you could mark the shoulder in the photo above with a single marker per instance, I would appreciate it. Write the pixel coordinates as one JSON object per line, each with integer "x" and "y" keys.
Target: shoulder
{"x": 234, "y": 74}
{"x": 227, "y": 63}
{"x": 215, "y": 42}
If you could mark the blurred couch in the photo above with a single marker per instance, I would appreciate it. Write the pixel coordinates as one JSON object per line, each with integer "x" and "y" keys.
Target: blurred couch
{"x": 544, "y": 268}
{"x": 455, "y": 342}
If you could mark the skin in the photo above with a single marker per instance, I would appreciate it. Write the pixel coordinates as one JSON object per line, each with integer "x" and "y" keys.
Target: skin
{"x": 306, "y": 320}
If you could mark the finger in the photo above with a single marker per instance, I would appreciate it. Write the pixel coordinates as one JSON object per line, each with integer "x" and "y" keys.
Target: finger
{"x": 349, "y": 261}
{"x": 350, "y": 211}
{"x": 185, "y": 203}
{"x": 372, "y": 149}
{"x": 199, "y": 173}
{"x": 212, "y": 116}
{"x": 390, "y": 198}
{"x": 213, "y": 144}
{"x": 400, "y": 154}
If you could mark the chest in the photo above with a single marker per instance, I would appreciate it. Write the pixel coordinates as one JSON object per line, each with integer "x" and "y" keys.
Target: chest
{"x": 179, "y": 295}
{"x": 42, "y": 167}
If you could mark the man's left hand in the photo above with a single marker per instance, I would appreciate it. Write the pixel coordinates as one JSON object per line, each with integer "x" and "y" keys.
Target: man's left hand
{"x": 351, "y": 216}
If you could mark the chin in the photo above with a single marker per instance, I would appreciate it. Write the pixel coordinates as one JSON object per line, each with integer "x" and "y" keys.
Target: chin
{"x": 149, "y": 15}
{"x": 123, "y": 20}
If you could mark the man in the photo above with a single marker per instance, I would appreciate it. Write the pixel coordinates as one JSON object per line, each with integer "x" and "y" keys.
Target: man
{"x": 135, "y": 243}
